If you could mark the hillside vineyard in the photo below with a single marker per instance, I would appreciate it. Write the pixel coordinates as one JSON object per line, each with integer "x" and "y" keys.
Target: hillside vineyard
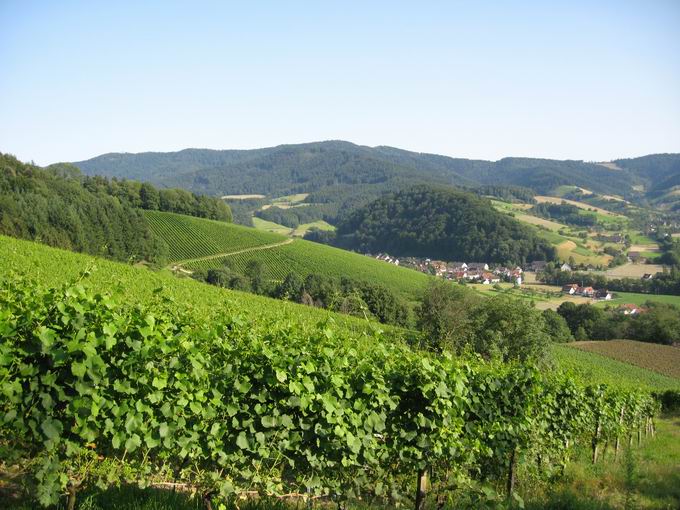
{"x": 102, "y": 392}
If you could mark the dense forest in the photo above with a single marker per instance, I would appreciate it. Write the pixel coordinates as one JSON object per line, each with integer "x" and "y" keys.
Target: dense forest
{"x": 350, "y": 176}
{"x": 60, "y": 207}
{"x": 441, "y": 223}
{"x": 147, "y": 196}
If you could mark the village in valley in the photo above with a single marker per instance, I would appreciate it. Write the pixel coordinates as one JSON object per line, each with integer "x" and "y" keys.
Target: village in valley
{"x": 520, "y": 280}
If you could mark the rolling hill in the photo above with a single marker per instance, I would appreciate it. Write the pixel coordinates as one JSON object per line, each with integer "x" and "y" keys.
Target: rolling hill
{"x": 441, "y": 223}
{"x": 339, "y": 168}
{"x": 52, "y": 267}
{"x": 203, "y": 244}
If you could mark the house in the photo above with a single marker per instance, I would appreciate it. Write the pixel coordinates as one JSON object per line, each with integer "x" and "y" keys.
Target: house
{"x": 478, "y": 266}
{"x": 587, "y": 292}
{"x": 538, "y": 265}
{"x": 439, "y": 267}
{"x": 628, "y": 309}
{"x": 634, "y": 256}
{"x": 603, "y": 294}
{"x": 565, "y": 267}
{"x": 488, "y": 278}
{"x": 570, "y": 289}
{"x": 517, "y": 278}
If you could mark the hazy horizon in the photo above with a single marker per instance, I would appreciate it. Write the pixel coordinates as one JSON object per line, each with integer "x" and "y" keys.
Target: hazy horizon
{"x": 358, "y": 144}
{"x": 566, "y": 80}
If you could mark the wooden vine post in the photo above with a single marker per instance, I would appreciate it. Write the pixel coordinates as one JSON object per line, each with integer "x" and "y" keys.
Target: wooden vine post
{"x": 618, "y": 433}
{"x": 511, "y": 473}
{"x": 639, "y": 434}
{"x": 596, "y": 438}
{"x": 72, "y": 491}
{"x": 421, "y": 489}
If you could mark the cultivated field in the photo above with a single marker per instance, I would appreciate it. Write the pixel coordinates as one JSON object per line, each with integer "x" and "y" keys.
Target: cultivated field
{"x": 664, "y": 359}
{"x": 190, "y": 238}
{"x": 270, "y": 226}
{"x": 596, "y": 367}
{"x": 197, "y": 243}
{"x": 55, "y": 267}
{"x": 304, "y": 257}
{"x": 241, "y": 368}
{"x": 649, "y": 247}
{"x": 631, "y": 270}
{"x": 557, "y": 200}
{"x": 241, "y": 197}
{"x": 567, "y": 243}
{"x": 541, "y": 222}
{"x": 639, "y": 299}
{"x": 301, "y": 230}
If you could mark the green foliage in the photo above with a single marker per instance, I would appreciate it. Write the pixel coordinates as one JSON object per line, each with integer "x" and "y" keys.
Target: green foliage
{"x": 556, "y": 326}
{"x": 662, "y": 283}
{"x": 96, "y": 392}
{"x": 61, "y": 211}
{"x": 305, "y": 257}
{"x": 451, "y": 317}
{"x": 594, "y": 368}
{"x": 340, "y": 169}
{"x": 443, "y": 316}
{"x": 507, "y": 193}
{"x": 192, "y": 238}
{"x": 204, "y": 339}
{"x": 658, "y": 322}
{"x": 294, "y": 216}
{"x": 564, "y": 213}
{"x": 441, "y": 223}
{"x": 228, "y": 279}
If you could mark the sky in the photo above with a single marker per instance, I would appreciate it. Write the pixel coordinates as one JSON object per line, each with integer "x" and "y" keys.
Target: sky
{"x": 591, "y": 80}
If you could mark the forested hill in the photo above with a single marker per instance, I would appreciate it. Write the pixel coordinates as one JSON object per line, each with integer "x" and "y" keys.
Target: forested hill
{"x": 337, "y": 165}
{"x": 441, "y": 223}
{"x": 658, "y": 172}
{"x": 61, "y": 207}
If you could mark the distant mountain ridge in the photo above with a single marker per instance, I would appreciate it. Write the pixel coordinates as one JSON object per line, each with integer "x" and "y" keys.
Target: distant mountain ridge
{"x": 317, "y": 166}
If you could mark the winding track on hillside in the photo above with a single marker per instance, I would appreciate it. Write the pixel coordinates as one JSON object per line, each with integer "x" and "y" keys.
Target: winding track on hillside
{"x": 177, "y": 266}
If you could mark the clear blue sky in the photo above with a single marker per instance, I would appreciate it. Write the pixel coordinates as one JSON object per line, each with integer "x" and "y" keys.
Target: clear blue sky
{"x": 588, "y": 80}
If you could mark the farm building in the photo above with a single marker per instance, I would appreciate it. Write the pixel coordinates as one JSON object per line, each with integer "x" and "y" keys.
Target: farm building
{"x": 537, "y": 265}
{"x": 629, "y": 309}
{"x": 604, "y": 294}
{"x": 571, "y": 288}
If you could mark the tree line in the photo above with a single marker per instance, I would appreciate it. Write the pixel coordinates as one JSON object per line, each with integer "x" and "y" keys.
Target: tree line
{"x": 41, "y": 205}
{"x": 667, "y": 282}
{"x": 564, "y": 213}
{"x": 344, "y": 295}
{"x": 657, "y": 323}
{"x": 147, "y": 196}
{"x": 62, "y": 208}
{"x": 294, "y": 216}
